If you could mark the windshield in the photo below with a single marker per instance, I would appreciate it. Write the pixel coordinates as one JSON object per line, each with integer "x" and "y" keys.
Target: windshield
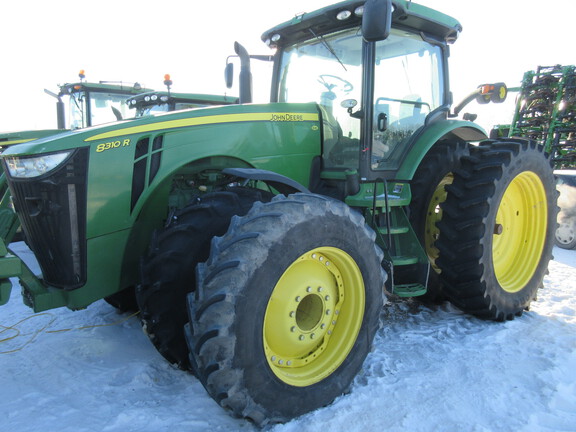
{"x": 408, "y": 85}
{"x": 327, "y": 71}
{"x": 104, "y": 108}
{"x": 146, "y": 110}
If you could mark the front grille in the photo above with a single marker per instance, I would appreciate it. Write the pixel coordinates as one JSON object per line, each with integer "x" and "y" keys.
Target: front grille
{"x": 52, "y": 210}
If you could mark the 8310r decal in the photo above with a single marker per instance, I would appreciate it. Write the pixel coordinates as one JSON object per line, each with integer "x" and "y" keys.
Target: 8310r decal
{"x": 112, "y": 145}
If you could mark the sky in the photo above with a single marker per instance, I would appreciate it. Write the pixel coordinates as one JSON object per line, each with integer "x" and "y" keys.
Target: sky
{"x": 44, "y": 44}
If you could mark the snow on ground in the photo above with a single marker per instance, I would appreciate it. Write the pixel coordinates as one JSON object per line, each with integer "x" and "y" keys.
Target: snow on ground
{"x": 431, "y": 370}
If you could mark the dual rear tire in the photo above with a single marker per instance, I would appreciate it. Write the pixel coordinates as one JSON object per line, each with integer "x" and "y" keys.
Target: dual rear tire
{"x": 497, "y": 229}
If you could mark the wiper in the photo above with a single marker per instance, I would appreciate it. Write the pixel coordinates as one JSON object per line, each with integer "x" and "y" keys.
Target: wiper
{"x": 328, "y": 47}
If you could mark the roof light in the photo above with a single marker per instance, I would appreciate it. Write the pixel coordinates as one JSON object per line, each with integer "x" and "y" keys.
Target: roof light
{"x": 147, "y": 98}
{"x": 344, "y": 15}
{"x": 275, "y": 38}
{"x": 154, "y": 97}
{"x": 359, "y": 11}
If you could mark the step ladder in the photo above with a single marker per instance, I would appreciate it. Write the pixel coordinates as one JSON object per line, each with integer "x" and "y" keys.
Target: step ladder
{"x": 383, "y": 204}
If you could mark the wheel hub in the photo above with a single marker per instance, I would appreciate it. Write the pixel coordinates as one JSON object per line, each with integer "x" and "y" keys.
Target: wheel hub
{"x": 313, "y": 316}
{"x": 302, "y": 315}
{"x": 522, "y": 217}
{"x": 565, "y": 233}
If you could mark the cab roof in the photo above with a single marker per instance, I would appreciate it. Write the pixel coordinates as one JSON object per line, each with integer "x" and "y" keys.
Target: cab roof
{"x": 324, "y": 21}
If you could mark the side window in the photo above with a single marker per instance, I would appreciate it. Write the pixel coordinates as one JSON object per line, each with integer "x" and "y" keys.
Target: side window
{"x": 408, "y": 86}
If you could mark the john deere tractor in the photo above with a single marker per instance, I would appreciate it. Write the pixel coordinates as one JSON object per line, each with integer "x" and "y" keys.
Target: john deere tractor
{"x": 155, "y": 102}
{"x": 89, "y": 104}
{"x": 259, "y": 240}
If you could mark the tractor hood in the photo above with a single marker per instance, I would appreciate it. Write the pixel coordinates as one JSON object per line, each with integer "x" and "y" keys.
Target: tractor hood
{"x": 122, "y": 134}
{"x": 87, "y": 136}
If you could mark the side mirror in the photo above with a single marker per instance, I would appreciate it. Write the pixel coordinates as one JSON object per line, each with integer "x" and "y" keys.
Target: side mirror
{"x": 377, "y": 20}
{"x": 495, "y": 93}
{"x": 229, "y": 74}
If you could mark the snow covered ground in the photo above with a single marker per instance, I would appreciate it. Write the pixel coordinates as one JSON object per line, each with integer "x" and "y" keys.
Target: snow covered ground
{"x": 431, "y": 370}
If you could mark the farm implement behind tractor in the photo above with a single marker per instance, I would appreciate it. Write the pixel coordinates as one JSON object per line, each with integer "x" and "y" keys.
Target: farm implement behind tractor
{"x": 546, "y": 112}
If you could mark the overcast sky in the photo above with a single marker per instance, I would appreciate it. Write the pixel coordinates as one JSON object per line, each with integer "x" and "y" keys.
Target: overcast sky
{"x": 45, "y": 43}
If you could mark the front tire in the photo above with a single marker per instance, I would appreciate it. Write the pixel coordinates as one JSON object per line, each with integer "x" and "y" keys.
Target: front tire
{"x": 286, "y": 308}
{"x": 169, "y": 269}
{"x": 497, "y": 229}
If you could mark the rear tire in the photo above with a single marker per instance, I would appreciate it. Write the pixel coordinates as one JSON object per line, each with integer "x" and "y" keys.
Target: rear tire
{"x": 497, "y": 229}
{"x": 169, "y": 270}
{"x": 286, "y": 308}
{"x": 428, "y": 188}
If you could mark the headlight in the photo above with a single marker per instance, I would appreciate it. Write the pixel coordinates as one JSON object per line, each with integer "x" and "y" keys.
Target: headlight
{"x": 28, "y": 167}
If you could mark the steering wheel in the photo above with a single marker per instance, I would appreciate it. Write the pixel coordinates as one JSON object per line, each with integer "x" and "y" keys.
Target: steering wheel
{"x": 341, "y": 83}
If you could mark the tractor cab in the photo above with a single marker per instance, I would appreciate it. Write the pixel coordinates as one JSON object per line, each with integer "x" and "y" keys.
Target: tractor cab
{"x": 91, "y": 104}
{"x": 374, "y": 97}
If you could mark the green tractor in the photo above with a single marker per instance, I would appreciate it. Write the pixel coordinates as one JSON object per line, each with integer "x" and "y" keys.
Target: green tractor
{"x": 259, "y": 241}
{"x": 165, "y": 101}
{"x": 89, "y": 104}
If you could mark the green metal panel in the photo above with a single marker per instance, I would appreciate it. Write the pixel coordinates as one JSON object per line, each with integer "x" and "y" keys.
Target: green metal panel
{"x": 11, "y": 138}
{"x": 463, "y": 130}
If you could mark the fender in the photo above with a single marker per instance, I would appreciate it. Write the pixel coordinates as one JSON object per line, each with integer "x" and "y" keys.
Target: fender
{"x": 281, "y": 183}
{"x": 430, "y": 135}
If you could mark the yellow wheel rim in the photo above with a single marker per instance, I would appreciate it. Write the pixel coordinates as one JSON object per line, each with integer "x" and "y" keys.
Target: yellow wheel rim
{"x": 433, "y": 215}
{"x": 519, "y": 232}
{"x": 313, "y": 316}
